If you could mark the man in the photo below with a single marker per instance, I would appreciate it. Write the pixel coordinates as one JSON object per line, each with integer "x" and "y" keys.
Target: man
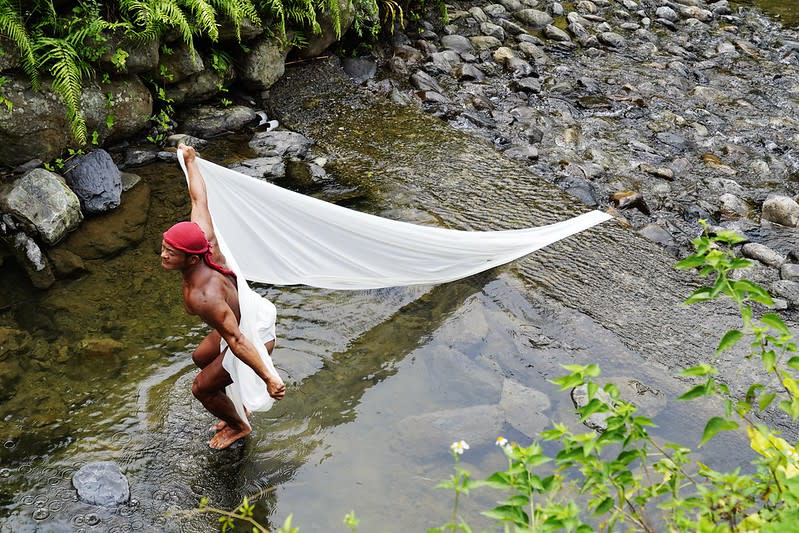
{"x": 209, "y": 291}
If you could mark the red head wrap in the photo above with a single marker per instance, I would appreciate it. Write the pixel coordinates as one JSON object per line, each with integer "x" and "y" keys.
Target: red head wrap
{"x": 188, "y": 237}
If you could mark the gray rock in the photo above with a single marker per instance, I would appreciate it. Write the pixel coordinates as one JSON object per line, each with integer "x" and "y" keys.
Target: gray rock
{"x": 523, "y": 152}
{"x": 181, "y": 63}
{"x": 731, "y": 206}
{"x": 788, "y": 290}
{"x": 555, "y": 33}
{"x": 131, "y": 106}
{"x": 528, "y": 85}
{"x": 424, "y": 82}
{"x": 492, "y": 30}
{"x": 280, "y": 143}
{"x": 596, "y": 421}
{"x": 533, "y": 18}
{"x": 478, "y": 14}
{"x": 101, "y": 483}
{"x": 200, "y": 87}
{"x": 524, "y": 408}
{"x": 789, "y": 272}
{"x": 43, "y": 204}
{"x": 697, "y": 13}
{"x": 658, "y": 234}
{"x": 510, "y": 27}
{"x": 610, "y": 38}
{"x": 667, "y": 13}
{"x": 263, "y": 64}
{"x": 468, "y": 71}
{"x": 781, "y": 210}
{"x": 458, "y": 43}
{"x": 262, "y": 167}
{"x": 762, "y": 253}
{"x": 96, "y": 180}
{"x": 208, "y": 121}
{"x": 484, "y": 42}
{"x": 512, "y": 5}
{"x": 359, "y": 69}
{"x": 331, "y": 28}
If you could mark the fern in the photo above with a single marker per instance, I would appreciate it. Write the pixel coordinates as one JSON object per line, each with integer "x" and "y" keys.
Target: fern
{"x": 236, "y": 11}
{"x": 205, "y": 17}
{"x": 12, "y": 26}
{"x": 151, "y": 17}
{"x": 68, "y": 71}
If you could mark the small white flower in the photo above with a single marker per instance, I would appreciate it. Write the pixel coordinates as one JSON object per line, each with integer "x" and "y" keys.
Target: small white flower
{"x": 459, "y": 446}
{"x": 502, "y": 442}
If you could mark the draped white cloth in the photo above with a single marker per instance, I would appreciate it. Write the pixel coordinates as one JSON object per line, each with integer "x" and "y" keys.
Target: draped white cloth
{"x": 272, "y": 235}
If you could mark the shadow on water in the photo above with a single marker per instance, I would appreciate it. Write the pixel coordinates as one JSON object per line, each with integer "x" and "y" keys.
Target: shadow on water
{"x": 380, "y": 382}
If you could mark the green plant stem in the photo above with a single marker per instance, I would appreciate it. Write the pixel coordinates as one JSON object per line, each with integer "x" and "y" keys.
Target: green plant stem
{"x": 222, "y": 512}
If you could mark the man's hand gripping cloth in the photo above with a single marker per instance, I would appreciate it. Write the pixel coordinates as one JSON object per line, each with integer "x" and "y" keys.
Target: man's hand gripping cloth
{"x": 271, "y": 235}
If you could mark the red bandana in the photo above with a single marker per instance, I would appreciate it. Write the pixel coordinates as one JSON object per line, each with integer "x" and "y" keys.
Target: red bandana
{"x": 188, "y": 237}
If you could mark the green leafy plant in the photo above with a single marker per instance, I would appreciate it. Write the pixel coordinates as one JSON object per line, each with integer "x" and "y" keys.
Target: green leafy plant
{"x": 621, "y": 478}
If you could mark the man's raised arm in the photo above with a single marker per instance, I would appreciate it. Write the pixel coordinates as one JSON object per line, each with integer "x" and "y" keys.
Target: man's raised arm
{"x": 199, "y": 201}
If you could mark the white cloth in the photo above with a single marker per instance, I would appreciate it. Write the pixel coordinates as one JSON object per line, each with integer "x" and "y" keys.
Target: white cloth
{"x": 272, "y": 235}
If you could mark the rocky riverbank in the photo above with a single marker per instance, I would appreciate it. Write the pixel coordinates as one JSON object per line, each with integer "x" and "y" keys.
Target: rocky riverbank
{"x": 662, "y": 112}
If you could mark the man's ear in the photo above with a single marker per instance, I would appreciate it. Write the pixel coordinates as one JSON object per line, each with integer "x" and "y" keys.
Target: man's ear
{"x": 194, "y": 259}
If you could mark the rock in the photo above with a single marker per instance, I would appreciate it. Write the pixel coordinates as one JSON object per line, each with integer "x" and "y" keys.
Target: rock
{"x": 130, "y": 105}
{"x": 484, "y": 42}
{"x": 762, "y": 253}
{"x": 628, "y": 199}
{"x": 280, "y": 143}
{"x": 731, "y": 206}
{"x": 112, "y": 232}
{"x": 524, "y": 408}
{"x": 262, "y": 167}
{"x": 697, "y": 13}
{"x": 467, "y": 71}
{"x": 64, "y": 263}
{"x": 610, "y": 38}
{"x": 789, "y": 272}
{"x": 181, "y": 63}
{"x": 11, "y": 375}
{"x": 43, "y": 204}
{"x": 492, "y": 30}
{"x": 658, "y": 234}
{"x": 101, "y": 483}
{"x": 330, "y": 28}
{"x": 208, "y": 121}
{"x": 13, "y": 342}
{"x": 359, "y": 69}
{"x": 430, "y": 434}
{"x": 534, "y": 18}
{"x": 424, "y": 82}
{"x": 129, "y": 180}
{"x": 142, "y": 56}
{"x": 527, "y": 85}
{"x": 522, "y": 152}
{"x": 99, "y": 347}
{"x": 555, "y": 33}
{"x": 667, "y": 13}
{"x": 27, "y": 253}
{"x": 596, "y": 421}
{"x": 200, "y": 87}
{"x": 781, "y": 210}
{"x": 263, "y": 64}
{"x": 96, "y": 180}
{"x": 788, "y": 290}
{"x": 458, "y": 43}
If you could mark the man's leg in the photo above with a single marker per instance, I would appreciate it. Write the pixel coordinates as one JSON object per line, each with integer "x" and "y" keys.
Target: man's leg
{"x": 207, "y": 350}
{"x": 209, "y": 388}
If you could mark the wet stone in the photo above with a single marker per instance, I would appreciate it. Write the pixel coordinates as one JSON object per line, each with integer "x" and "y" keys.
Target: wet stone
{"x": 731, "y": 206}
{"x": 781, "y": 210}
{"x": 658, "y": 234}
{"x": 762, "y": 253}
{"x": 789, "y": 271}
{"x": 789, "y": 290}
{"x": 596, "y": 421}
{"x": 101, "y": 483}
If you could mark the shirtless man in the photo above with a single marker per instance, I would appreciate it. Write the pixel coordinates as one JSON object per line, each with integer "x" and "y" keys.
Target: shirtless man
{"x": 209, "y": 291}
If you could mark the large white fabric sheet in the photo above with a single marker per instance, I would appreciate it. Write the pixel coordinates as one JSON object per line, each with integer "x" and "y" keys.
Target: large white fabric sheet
{"x": 272, "y": 235}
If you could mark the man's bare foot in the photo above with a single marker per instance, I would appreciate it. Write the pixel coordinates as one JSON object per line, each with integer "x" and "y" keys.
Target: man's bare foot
{"x": 228, "y": 436}
{"x": 221, "y": 424}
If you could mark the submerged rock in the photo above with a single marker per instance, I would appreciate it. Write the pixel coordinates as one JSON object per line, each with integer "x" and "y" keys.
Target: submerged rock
{"x": 101, "y": 483}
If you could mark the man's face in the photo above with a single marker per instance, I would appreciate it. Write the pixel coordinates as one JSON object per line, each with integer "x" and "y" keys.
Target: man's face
{"x": 172, "y": 259}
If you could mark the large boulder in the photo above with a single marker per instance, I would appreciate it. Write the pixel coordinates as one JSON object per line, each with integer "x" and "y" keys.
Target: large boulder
{"x": 37, "y": 126}
{"x": 208, "y": 121}
{"x": 123, "y": 98}
{"x": 328, "y": 33}
{"x": 263, "y": 65}
{"x": 141, "y": 56}
{"x": 96, "y": 180}
{"x": 181, "y": 63}
{"x": 200, "y": 87}
{"x": 43, "y": 205}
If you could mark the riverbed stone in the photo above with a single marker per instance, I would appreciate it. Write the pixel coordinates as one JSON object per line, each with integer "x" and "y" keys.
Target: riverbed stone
{"x": 98, "y": 347}
{"x": 524, "y": 408}
{"x": 43, "y": 204}
{"x": 65, "y": 264}
{"x": 263, "y": 64}
{"x": 262, "y": 167}
{"x": 534, "y": 18}
{"x": 95, "y": 179}
{"x": 13, "y": 342}
{"x": 107, "y": 234}
{"x": 280, "y": 143}
{"x": 595, "y": 421}
{"x": 456, "y": 42}
{"x": 27, "y": 253}
{"x": 125, "y": 98}
{"x": 201, "y": 86}
{"x": 555, "y": 33}
{"x": 781, "y": 209}
{"x": 101, "y": 483}
{"x": 731, "y": 206}
{"x": 762, "y": 253}
{"x": 789, "y": 271}
{"x": 656, "y": 233}
{"x": 788, "y": 290}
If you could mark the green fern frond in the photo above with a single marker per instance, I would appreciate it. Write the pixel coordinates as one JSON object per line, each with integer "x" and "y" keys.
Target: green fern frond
{"x": 151, "y": 17}
{"x": 276, "y": 9}
{"x": 64, "y": 63}
{"x": 236, "y": 11}
{"x": 205, "y": 17}
{"x": 12, "y": 26}
{"x": 335, "y": 15}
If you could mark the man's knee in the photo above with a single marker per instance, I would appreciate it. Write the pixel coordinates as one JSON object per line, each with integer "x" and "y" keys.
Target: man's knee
{"x": 199, "y": 389}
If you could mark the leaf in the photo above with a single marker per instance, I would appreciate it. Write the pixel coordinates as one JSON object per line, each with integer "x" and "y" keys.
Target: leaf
{"x": 604, "y": 506}
{"x": 700, "y": 295}
{"x": 774, "y": 321}
{"x": 507, "y": 513}
{"x": 692, "y": 261}
{"x": 714, "y": 426}
{"x": 729, "y": 339}
{"x": 699, "y": 370}
{"x": 769, "y": 358}
{"x": 793, "y": 362}
{"x": 765, "y": 400}
{"x": 696, "y": 392}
